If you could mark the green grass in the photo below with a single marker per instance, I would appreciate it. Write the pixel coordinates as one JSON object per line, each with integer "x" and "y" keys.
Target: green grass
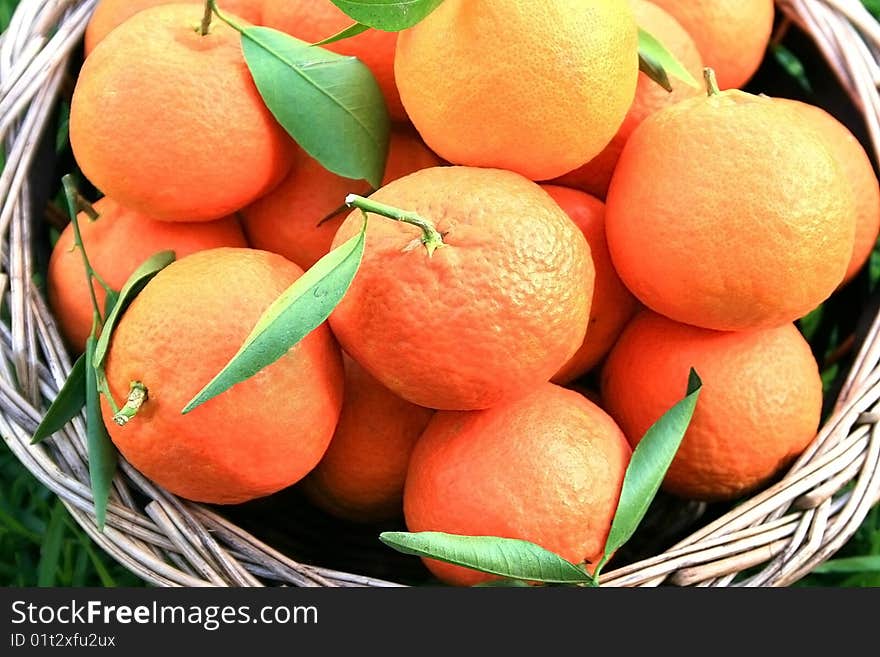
{"x": 41, "y": 544}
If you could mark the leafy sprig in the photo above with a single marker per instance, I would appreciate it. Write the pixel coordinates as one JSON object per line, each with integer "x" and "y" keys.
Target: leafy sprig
{"x": 87, "y": 381}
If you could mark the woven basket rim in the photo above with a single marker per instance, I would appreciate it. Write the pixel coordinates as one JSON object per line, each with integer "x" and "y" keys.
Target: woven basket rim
{"x": 776, "y": 536}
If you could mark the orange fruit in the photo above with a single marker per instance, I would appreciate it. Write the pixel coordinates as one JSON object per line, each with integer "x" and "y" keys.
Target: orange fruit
{"x": 290, "y": 219}
{"x": 361, "y": 476}
{"x": 170, "y": 123}
{"x": 595, "y": 176}
{"x": 758, "y": 409}
{"x": 261, "y": 435}
{"x": 612, "y": 304}
{"x": 110, "y": 13}
{"x": 315, "y": 20}
{"x": 732, "y": 35}
{"x": 859, "y": 172}
{"x": 117, "y": 243}
{"x": 538, "y": 88}
{"x": 546, "y": 468}
{"x": 729, "y": 212}
{"x": 499, "y": 309}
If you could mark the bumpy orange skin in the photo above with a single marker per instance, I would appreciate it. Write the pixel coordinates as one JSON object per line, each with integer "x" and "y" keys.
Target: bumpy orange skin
{"x": 290, "y": 219}
{"x": 732, "y": 35}
{"x": 545, "y": 468}
{"x": 538, "y": 88}
{"x": 263, "y": 434}
{"x": 729, "y": 212}
{"x": 315, "y": 20}
{"x": 109, "y": 14}
{"x": 170, "y": 123}
{"x": 495, "y": 312}
{"x": 612, "y": 305}
{"x": 859, "y": 172}
{"x": 758, "y": 409}
{"x": 117, "y": 243}
{"x": 595, "y": 176}
{"x": 361, "y": 476}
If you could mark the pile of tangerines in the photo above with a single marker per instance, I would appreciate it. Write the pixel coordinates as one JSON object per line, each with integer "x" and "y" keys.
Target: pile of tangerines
{"x": 594, "y": 227}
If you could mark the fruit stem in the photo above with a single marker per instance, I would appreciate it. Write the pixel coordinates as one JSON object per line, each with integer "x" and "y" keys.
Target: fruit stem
{"x": 84, "y": 205}
{"x": 711, "y": 82}
{"x": 206, "y": 17}
{"x": 431, "y": 237}
{"x": 137, "y": 395}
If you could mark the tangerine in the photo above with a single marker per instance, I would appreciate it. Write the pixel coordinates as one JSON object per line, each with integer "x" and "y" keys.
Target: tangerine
{"x": 517, "y": 82}
{"x": 729, "y": 212}
{"x": 109, "y": 14}
{"x": 732, "y": 35}
{"x": 546, "y": 468}
{"x": 361, "y": 476}
{"x": 251, "y": 440}
{"x": 192, "y": 156}
{"x": 859, "y": 172}
{"x": 758, "y": 409}
{"x": 612, "y": 304}
{"x": 497, "y": 310}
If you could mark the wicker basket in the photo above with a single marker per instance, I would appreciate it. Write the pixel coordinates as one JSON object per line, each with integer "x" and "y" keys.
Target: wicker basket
{"x": 772, "y": 539}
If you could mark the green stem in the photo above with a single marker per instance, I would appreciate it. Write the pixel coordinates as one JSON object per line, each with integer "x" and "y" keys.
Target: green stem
{"x": 711, "y": 82}
{"x": 104, "y": 389}
{"x": 71, "y": 194}
{"x": 102, "y": 282}
{"x": 137, "y": 395}
{"x": 431, "y": 237}
{"x": 598, "y": 569}
{"x": 80, "y": 203}
{"x": 223, "y": 17}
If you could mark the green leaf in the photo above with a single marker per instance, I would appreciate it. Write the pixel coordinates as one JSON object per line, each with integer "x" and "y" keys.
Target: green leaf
{"x": 133, "y": 286}
{"x": 874, "y": 268}
{"x": 810, "y": 323}
{"x": 330, "y": 104}
{"x": 303, "y": 307}
{"x": 347, "y": 33}
{"x": 792, "y": 65}
{"x": 6, "y": 9}
{"x": 67, "y": 404}
{"x": 658, "y": 63}
{"x": 50, "y": 550}
{"x": 388, "y": 15}
{"x": 502, "y": 584}
{"x": 111, "y": 298}
{"x": 506, "y": 557}
{"x": 849, "y": 565}
{"x": 647, "y": 467}
{"x": 104, "y": 575}
{"x": 62, "y": 135}
{"x": 102, "y": 452}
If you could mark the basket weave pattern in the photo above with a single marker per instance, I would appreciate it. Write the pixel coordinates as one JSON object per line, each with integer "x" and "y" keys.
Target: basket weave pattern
{"x": 776, "y": 537}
